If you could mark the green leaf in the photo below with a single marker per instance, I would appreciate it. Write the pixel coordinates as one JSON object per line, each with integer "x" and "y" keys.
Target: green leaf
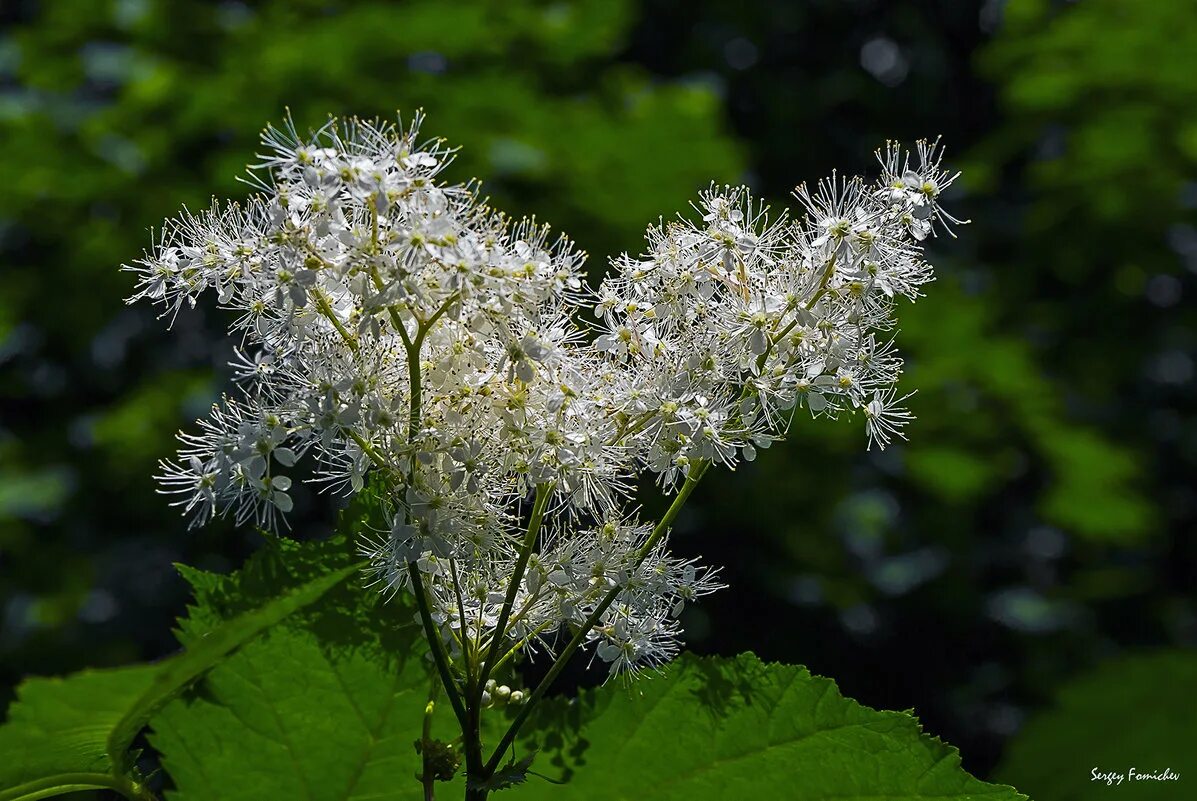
{"x": 288, "y": 716}
{"x": 515, "y": 772}
{"x": 326, "y": 705}
{"x": 77, "y": 731}
{"x": 280, "y": 566}
{"x": 739, "y": 729}
{"x": 201, "y": 654}
{"x": 60, "y": 727}
{"x": 1131, "y": 713}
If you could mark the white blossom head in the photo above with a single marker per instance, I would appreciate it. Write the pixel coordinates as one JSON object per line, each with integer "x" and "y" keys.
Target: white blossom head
{"x": 396, "y": 330}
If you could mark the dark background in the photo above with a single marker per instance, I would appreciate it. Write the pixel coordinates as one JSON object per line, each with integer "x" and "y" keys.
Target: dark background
{"x": 1038, "y": 524}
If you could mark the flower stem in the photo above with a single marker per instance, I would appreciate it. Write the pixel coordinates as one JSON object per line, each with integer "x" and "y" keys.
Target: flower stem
{"x": 461, "y": 628}
{"x": 368, "y": 449}
{"x": 468, "y": 714}
{"x": 543, "y": 491}
{"x": 774, "y": 339}
{"x": 393, "y": 311}
{"x": 436, "y": 644}
{"x": 427, "y": 778}
{"x": 514, "y": 649}
{"x": 822, "y": 288}
{"x": 695, "y": 475}
{"x": 327, "y": 310}
{"x": 436, "y": 315}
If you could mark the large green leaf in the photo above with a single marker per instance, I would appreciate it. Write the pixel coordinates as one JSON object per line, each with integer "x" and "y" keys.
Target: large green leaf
{"x": 71, "y": 733}
{"x": 327, "y": 705}
{"x": 742, "y": 729}
{"x": 203, "y": 652}
{"x": 57, "y": 730}
{"x": 290, "y": 717}
{"x": 1131, "y": 713}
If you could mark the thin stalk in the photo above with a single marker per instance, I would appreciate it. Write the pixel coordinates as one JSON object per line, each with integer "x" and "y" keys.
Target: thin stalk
{"x": 413, "y": 372}
{"x": 632, "y": 426}
{"x": 427, "y": 778}
{"x": 375, "y": 278}
{"x": 64, "y": 783}
{"x": 468, "y": 713}
{"x": 396, "y": 320}
{"x": 373, "y": 228}
{"x": 473, "y": 751}
{"x": 368, "y": 449}
{"x": 543, "y": 491}
{"x": 780, "y": 335}
{"x": 696, "y": 473}
{"x": 513, "y": 650}
{"x": 827, "y": 272}
{"x": 773, "y": 340}
{"x": 461, "y": 629}
{"x": 436, "y": 315}
{"x": 439, "y": 657}
{"x": 326, "y": 309}
{"x": 528, "y": 604}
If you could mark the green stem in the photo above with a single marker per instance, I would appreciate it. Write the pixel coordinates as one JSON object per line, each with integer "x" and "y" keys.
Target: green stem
{"x": 773, "y": 340}
{"x": 436, "y": 644}
{"x": 633, "y": 426}
{"x": 466, "y": 714}
{"x": 780, "y": 335}
{"x": 436, "y": 315}
{"x": 327, "y": 310}
{"x": 428, "y": 779}
{"x": 473, "y": 751}
{"x": 375, "y": 278}
{"x": 373, "y": 227}
{"x": 514, "y": 649}
{"x": 461, "y": 629}
{"x": 416, "y": 409}
{"x": 822, "y": 282}
{"x": 696, "y": 472}
{"x": 518, "y": 615}
{"x": 368, "y": 449}
{"x": 393, "y": 311}
{"x": 64, "y": 783}
{"x": 543, "y": 491}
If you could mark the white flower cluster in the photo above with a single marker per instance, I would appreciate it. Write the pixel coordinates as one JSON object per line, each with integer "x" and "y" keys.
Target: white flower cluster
{"x": 725, "y": 325}
{"x": 400, "y": 331}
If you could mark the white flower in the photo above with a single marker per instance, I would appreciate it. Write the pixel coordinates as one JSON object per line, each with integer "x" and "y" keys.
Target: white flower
{"x": 411, "y": 338}
{"x": 886, "y": 418}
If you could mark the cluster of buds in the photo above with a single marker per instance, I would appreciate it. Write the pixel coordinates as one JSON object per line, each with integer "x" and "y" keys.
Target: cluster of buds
{"x": 500, "y": 695}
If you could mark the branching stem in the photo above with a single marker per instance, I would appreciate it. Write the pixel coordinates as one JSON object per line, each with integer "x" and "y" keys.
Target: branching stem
{"x": 436, "y": 644}
{"x": 543, "y": 491}
{"x": 327, "y": 310}
{"x": 695, "y": 475}
{"x": 368, "y": 449}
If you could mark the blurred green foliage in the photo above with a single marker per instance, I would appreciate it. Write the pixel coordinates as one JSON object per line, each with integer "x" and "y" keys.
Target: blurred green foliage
{"x": 1039, "y": 519}
{"x": 1141, "y": 697}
